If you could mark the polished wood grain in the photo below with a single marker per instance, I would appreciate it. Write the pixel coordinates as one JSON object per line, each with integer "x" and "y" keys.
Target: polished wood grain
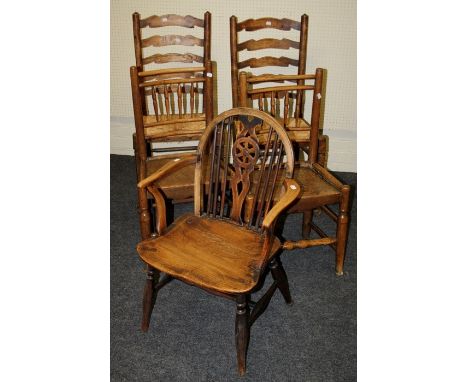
{"x": 157, "y": 41}
{"x": 267, "y": 61}
{"x": 172, "y": 57}
{"x": 308, "y": 243}
{"x": 268, "y": 43}
{"x": 227, "y": 246}
{"x": 292, "y": 192}
{"x": 198, "y": 251}
{"x": 171, "y": 20}
{"x": 268, "y": 22}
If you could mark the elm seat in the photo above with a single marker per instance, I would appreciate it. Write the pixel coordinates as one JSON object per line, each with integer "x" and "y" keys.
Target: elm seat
{"x": 215, "y": 254}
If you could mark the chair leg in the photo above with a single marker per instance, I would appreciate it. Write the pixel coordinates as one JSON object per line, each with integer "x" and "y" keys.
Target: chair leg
{"x": 242, "y": 332}
{"x": 169, "y": 212}
{"x": 307, "y": 217}
{"x": 342, "y": 231}
{"x": 149, "y": 297}
{"x": 279, "y": 275}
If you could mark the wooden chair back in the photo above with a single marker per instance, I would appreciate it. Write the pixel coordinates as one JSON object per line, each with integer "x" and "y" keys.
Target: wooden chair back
{"x": 284, "y": 101}
{"x": 254, "y": 25}
{"x": 179, "y": 107}
{"x": 229, "y": 153}
{"x": 159, "y": 41}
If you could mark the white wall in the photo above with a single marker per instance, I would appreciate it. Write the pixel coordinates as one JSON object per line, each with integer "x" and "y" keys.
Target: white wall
{"x": 331, "y": 45}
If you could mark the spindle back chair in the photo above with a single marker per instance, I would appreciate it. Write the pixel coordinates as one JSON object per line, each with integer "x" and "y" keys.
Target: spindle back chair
{"x": 172, "y": 96}
{"x": 252, "y": 26}
{"x": 228, "y": 244}
{"x": 293, "y": 44}
{"x": 320, "y": 187}
{"x": 200, "y": 43}
{"x": 159, "y": 41}
{"x": 179, "y": 110}
{"x": 284, "y": 102}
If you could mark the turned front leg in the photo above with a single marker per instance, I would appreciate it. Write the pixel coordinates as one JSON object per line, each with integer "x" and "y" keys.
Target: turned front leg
{"x": 242, "y": 332}
{"x": 149, "y": 296}
{"x": 342, "y": 230}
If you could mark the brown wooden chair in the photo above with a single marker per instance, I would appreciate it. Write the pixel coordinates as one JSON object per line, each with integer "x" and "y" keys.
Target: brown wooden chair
{"x": 172, "y": 96}
{"x": 226, "y": 246}
{"x": 259, "y": 64}
{"x": 320, "y": 188}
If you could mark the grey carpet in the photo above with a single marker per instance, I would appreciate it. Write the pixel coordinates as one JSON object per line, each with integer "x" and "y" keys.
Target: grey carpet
{"x": 191, "y": 337}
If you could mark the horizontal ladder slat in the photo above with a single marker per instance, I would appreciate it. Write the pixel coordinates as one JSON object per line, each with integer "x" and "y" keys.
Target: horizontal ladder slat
{"x": 171, "y": 20}
{"x": 281, "y": 89}
{"x": 268, "y": 22}
{"x": 280, "y": 77}
{"x": 171, "y": 39}
{"x": 268, "y": 61}
{"x": 157, "y": 72}
{"x": 268, "y": 43}
{"x": 174, "y": 81}
{"x": 172, "y": 57}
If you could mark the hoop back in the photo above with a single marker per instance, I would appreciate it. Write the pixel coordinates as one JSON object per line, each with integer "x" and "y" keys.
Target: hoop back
{"x": 243, "y": 156}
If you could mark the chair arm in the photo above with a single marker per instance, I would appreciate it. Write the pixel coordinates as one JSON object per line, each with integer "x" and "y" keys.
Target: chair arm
{"x": 146, "y": 185}
{"x": 168, "y": 169}
{"x": 292, "y": 192}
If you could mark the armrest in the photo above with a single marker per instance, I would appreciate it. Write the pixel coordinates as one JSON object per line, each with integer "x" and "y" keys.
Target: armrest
{"x": 292, "y": 192}
{"x": 146, "y": 185}
{"x": 168, "y": 169}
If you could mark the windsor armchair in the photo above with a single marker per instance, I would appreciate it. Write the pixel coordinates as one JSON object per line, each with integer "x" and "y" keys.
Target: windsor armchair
{"x": 227, "y": 245}
{"x": 320, "y": 188}
{"x": 172, "y": 96}
{"x": 250, "y": 50}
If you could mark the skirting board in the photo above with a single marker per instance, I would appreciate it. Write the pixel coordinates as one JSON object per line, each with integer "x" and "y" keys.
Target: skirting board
{"x": 341, "y": 145}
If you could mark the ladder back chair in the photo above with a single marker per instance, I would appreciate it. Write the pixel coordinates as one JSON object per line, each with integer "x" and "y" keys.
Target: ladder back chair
{"x": 226, "y": 246}
{"x": 320, "y": 188}
{"x": 279, "y": 63}
{"x": 172, "y": 95}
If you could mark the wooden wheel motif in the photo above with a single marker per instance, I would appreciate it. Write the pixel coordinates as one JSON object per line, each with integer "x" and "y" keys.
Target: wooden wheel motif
{"x": 245, "y": 152}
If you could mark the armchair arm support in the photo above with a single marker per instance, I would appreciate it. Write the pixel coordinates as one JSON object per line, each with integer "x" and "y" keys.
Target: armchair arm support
{"x": 292, "y": 192}
{"x": 147, "y": 185}
{"x": 168, "y": 169}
